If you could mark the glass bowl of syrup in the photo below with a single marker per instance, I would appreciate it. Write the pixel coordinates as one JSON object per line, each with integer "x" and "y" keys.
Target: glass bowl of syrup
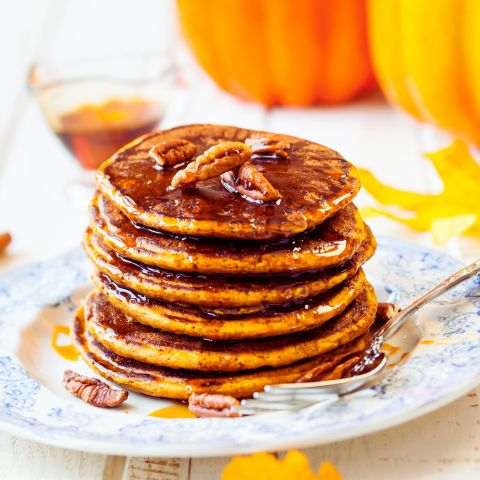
{"x": 97, "y": 106}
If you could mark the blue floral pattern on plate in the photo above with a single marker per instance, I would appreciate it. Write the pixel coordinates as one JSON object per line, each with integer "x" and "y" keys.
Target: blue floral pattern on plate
{"x": 434, "y": 374}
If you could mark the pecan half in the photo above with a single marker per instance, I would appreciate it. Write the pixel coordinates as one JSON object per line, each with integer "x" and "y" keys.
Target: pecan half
{"x": 251, "y": 183}
{"x": 212, "y": 163}
{"x": 5, "y": 239}
{"x": 268, "y": 145}
{"x": 173, "y": 152}
{"x": 93, "y": 391}
{"x": 385, "y": 311}
{"x": 216, "y": 405}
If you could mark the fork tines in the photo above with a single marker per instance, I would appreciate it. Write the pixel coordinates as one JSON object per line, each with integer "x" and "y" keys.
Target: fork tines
{"x": 277, "y": 398}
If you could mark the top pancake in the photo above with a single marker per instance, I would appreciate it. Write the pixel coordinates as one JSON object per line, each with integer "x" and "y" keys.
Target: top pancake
{"x": 314, "y": 183}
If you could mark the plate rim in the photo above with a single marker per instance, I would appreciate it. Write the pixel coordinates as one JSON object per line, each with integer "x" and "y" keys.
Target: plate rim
{"x": 104, "y": 448}
{"x": 388, "y": 420}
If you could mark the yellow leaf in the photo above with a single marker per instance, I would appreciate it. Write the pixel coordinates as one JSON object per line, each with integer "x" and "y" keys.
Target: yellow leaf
{"x": 389, "y": 195}
{"x": 454, "y": 211}
{"x": 445, "y": 228}
{"x": 369, "y": 212}
{"x": 455, "y": 165}
{"x": 265, "y": 466}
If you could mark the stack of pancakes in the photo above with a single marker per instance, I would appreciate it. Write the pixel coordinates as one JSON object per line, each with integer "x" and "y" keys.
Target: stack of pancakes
{"x": 202, "y": 290}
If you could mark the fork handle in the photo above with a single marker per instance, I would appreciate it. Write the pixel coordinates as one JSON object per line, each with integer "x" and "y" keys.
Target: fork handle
{"x": 390, "y": 327}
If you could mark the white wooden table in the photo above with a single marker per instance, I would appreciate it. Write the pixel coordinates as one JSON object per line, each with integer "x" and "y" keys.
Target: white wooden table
{"x": 34, "y": 172}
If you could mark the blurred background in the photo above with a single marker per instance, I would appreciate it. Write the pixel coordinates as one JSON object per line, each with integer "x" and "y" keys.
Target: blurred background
{"x": 393, "y": 85}
{"x": 382, "y": 81}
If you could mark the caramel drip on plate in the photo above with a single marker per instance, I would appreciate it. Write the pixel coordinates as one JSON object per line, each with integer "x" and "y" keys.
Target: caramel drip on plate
{"x": 403, "y": 357}
{"x": 390, "y": 349}
{"x": 173, "y": 411}
{"x": 67, "y": 352}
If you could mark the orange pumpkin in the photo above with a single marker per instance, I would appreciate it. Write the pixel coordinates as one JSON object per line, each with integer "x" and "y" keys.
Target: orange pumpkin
{"x": 426, "y": 55}
{"x": 281, "y": 52}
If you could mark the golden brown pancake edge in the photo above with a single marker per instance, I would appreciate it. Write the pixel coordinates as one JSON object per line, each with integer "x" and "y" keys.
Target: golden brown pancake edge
{"x": 180, "y": 384}
{"x": 270, "y": 322}
{"x": 219, "y": 291}
{"x": 332, "y": 243}
{"x": 130, "y": 339}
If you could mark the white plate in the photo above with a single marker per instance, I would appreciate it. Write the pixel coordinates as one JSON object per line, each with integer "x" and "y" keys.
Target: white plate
{"x": 33, "y": 404}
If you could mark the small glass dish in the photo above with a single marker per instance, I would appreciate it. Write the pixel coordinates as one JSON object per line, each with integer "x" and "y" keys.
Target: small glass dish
{"x": 96, "y": 106}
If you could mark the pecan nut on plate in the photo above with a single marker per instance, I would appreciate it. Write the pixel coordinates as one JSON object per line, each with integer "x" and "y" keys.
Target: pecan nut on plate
{"x": 93, "y": 391}
{"x": 385, "y": 311}
{"x": 5, "y": 239}
{"x": 216, "y": 405}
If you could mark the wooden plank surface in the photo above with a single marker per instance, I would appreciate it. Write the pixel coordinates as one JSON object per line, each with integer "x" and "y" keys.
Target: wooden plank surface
{"x": 34, "y": 172}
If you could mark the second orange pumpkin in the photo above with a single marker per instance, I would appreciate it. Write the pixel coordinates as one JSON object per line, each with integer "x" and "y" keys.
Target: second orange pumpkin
{"x": 427, "y": 60}
{"x": 281, "y": 52}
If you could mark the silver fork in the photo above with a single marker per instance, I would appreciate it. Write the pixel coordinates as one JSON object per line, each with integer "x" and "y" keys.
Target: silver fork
{"x": 297, "y": 396}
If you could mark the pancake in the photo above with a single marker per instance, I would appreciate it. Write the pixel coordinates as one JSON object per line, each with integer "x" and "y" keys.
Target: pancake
{"x": 314, "y": 181}
{"x": 198, "y": 323}
{"x": 180, "y": 384}
{"x": 332, "y": 243}
{"x": 220, "y": 291}
{"x": 127, "y": 338}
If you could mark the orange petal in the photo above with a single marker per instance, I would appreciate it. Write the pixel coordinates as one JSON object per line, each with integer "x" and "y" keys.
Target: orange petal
{"x": 265, "y": 466}
{"x": 329, "y": 472}
{"x": 296, "y": 467}
{"x": 262, "y": 466}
